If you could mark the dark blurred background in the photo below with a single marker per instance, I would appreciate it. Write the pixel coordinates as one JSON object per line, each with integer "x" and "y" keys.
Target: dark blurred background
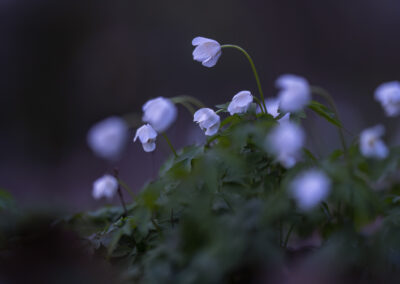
{"x": 67, "y": 64}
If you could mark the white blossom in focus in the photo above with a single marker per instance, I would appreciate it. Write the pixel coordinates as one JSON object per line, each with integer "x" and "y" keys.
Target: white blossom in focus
{"x": 295, "y": 93}
{"x": 106, "y": 186}
{"x": 371, "y": 145}
{"x": 160, "y": 113}
{"x": 272, "y": 105}
{"x": 108, "y": 137}
{"x": 147, "y": 136}
{"x": 240, "y": 102}
{"x": 310, "y": 188}
{"x": 208, "y": 120}
{"x": 207, "y": 51}
{"x": 285, "y": 141}
{"x": 388, "y": 94}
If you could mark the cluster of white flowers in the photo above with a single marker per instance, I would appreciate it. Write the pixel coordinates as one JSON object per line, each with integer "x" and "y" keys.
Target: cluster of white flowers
{"x": 106, "y": 186}
{"x": 285, "y": 141}
{"x": 108, "y": 137}
{"x": 310, "y": 188}
{"x": 388, "y": 94}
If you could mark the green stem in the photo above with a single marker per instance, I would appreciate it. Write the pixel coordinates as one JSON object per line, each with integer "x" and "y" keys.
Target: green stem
{"x": 126, "y": 187}
{"x": 190, "y": 99}
{"x": 323, "y": 93}
{"x": 288, "y": 235}
{"x": 187, "y": 106}
{"x": 169, "y": 144}
{"x": 253, "y": 67}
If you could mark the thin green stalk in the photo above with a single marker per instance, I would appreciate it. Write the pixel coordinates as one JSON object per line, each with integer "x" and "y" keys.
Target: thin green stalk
{"x": 190, "y": 99}
{"x": 187, "y": 106}
{"x": 288, "y": 235}
{"x": 127, "y": 188}
{"x": 169, "y": 144}
{"x": 253, "y": 67}
{"x": 323, "y": 93}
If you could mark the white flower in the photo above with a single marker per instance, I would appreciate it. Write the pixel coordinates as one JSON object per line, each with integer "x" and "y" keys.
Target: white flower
{"x": 240, "y": 102}
{"x": 388, "y": 94}
{"x": 106, "y": 186}
{"x": 370, "y": 143}
{"x": 108, "y": 137}
{"x": 147, "y": 136}
{"x": 207, "y": 51}
{"x": 208, "y": 120}
{"x": 160, "y": 113}
{"x": 295, "y": 92}
{"x": 272, "y": 106}
{"x": 309, "y": 188}
{"x": 285, "y": 142}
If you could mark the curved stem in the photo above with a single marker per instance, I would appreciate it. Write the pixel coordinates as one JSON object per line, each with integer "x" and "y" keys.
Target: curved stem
{"x": 187, "y": 106}
{"x": 169, "y": 144}
{"x": 253, "y": 67}
{"x": 190, "y": 99}
{"x": 323, "y": 93}
{"x": 126, "y": 187}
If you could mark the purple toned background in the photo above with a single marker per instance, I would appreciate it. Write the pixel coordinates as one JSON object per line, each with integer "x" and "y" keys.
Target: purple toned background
{"x": 66, "y": 64}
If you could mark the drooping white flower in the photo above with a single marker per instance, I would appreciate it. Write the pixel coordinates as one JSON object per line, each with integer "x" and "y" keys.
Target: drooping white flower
{"x": 310, "y": 188}
{"x": 295, "y": 92}
{"x": 207, "y": 51}
{"x": 108, "y": 137}
{"x": 285, "y": 142}
{"x": 208, "y": 120}
{"x": 106, "y": 186}
{"x": 371, "y": 145}
{"x": 240, "y": 102}
{"x": 272, "y": 105}
{"x": 147, "y": 136}
{"x": 160, "y": 113}
{"x": 388, "y": 94}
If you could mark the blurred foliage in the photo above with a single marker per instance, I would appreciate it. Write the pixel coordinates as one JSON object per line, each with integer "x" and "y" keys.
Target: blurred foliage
{"x": 222, "y": 213}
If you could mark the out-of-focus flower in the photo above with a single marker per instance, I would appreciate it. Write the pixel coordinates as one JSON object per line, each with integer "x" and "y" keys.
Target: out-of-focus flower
{"x": 371, "y": 145}
{"x": 160, "y": 113}
{"x": 285, "y": 142}
{"x": 147, "y": 136}
{"x": 388, "y": 94}
{"x": 106, "y": 186}
{"x": 272, "y": 105}
{"x": 240, "y": 102}
{"x": 207, "y": 51}
{"x": 208, "y": 120}
{"x": 309, "y": 188}
{"x": 108, "y": 137}
{"x": 295, "y": 92}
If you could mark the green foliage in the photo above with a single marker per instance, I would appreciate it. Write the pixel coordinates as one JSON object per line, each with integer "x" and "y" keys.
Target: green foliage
{"x": 221, "y": 212}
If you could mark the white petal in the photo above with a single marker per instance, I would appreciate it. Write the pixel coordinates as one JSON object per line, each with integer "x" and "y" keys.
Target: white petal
{"x": 108, "y": 137}
{"x": 149, "y": 146}
{"x": 210, "y": 62}
{"x": 160, "y": 113}
{"x": 200, "y": 40}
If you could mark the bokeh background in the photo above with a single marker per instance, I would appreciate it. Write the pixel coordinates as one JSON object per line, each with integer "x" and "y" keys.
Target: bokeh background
{"x": 67, "y": 64}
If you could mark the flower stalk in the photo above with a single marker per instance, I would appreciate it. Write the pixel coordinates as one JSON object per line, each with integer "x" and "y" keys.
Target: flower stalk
{"x": 253, "y": 67}
{"x": 170, "y": 144}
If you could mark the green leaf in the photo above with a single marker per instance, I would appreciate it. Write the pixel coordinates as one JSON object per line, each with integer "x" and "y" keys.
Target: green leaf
{"x": 325, "y": 112}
